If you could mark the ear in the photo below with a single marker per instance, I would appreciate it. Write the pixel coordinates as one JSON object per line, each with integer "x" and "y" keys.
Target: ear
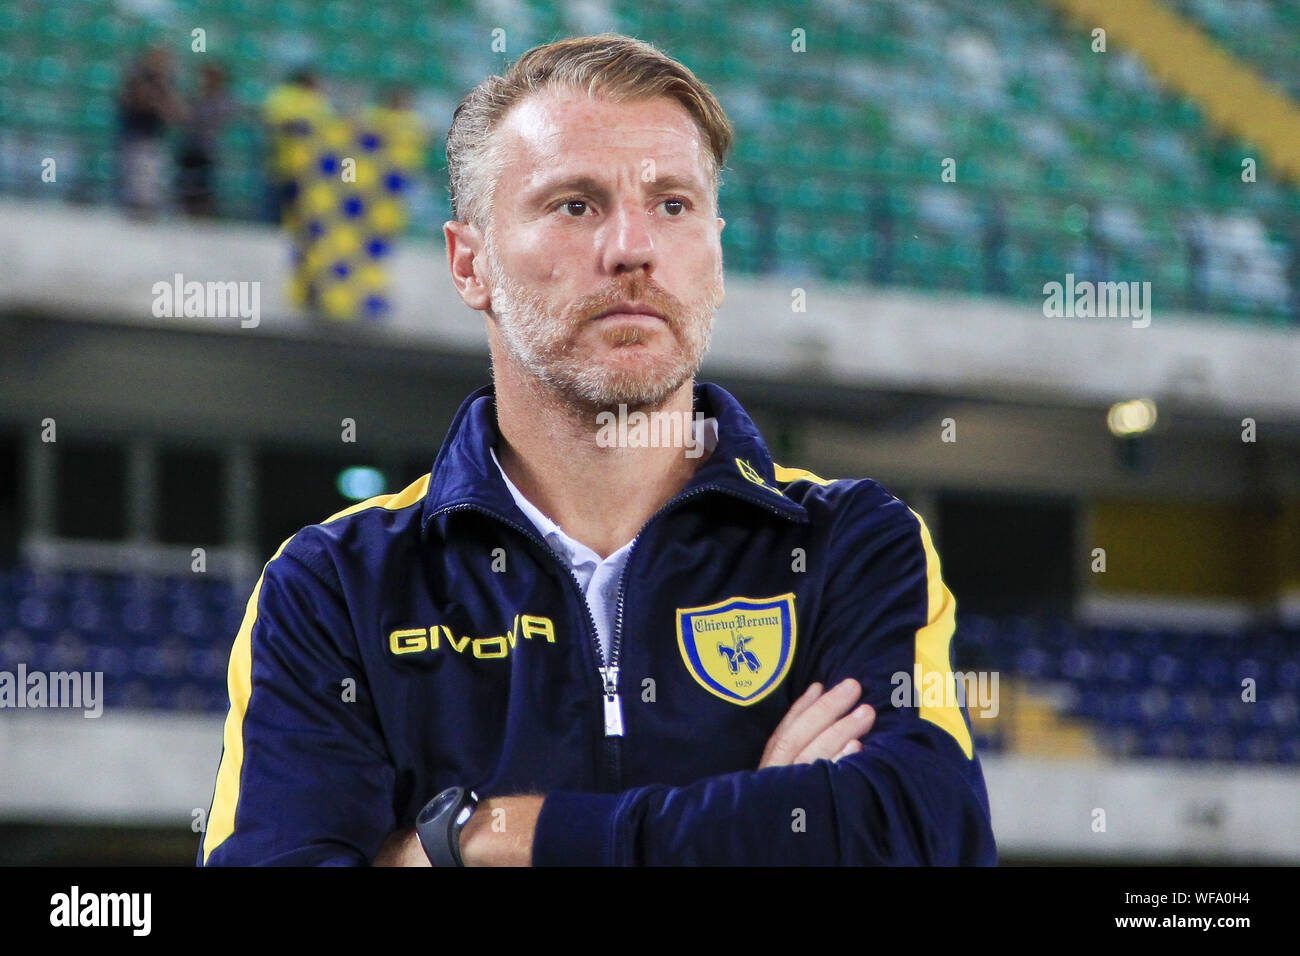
{"x": 722, "y": 288}
{"x": 464, "y": 252}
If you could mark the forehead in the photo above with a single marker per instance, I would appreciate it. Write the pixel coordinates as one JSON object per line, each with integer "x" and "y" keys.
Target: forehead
{"x": 569, "y": 129}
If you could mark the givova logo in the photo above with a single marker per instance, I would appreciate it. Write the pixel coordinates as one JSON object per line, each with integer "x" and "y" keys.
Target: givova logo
{"x": 417, "y": 640}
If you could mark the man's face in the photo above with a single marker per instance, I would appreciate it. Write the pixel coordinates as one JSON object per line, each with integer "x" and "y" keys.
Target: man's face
{"x": 602, "y": 204}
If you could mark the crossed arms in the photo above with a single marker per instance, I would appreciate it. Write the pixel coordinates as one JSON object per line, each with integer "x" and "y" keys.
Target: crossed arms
{"x": 311, "y": 782}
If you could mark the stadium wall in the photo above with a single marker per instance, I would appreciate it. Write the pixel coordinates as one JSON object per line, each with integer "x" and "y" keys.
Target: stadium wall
{"x": 94, "y": 264}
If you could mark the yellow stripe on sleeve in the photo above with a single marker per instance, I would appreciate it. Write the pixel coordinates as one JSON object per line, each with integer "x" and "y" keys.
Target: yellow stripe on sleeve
{"x": 239, "y": 685}
{"x": 933, "y": 644}
{"x": 239, "y": 681}
{"x": 799, "y": 474}
{"x": 407, "y": 496}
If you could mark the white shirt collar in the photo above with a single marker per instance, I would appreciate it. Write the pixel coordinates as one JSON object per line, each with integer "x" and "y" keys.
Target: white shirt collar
{"x": 706, "y": 432}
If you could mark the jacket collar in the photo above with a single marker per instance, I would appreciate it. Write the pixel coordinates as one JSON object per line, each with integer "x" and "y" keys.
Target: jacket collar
{"x": 464, "y": 475}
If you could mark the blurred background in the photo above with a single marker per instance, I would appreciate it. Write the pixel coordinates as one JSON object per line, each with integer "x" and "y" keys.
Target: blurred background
{"x": 1116, "y": 502}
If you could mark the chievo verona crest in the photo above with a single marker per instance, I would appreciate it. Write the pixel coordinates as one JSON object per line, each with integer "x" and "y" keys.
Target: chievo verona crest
{"x": 738, "y": 649}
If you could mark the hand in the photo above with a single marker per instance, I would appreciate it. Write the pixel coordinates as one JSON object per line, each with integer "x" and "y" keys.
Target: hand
{"x": 813, "y": 728}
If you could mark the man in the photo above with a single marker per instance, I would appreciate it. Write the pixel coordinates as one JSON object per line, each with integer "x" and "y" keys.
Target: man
{"x": 147, "y": 103}
{"x": 631, "y": 652}
{"x": 209, "y": 113}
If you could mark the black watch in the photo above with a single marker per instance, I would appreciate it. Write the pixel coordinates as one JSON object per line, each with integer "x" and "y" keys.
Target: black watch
{"x": 439, "y": 824}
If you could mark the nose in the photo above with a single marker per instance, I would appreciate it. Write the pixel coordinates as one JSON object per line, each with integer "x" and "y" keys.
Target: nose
{"x": 628, "y": 243}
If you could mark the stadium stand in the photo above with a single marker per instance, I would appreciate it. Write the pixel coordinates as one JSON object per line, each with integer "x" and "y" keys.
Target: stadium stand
{"x": 162, "y": 644}
{"x": 1149, "y": 692}
{"x": 1069, "y": 161}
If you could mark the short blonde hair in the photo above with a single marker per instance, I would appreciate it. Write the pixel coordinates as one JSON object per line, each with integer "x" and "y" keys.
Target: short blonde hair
{"x": 618, "y": 67}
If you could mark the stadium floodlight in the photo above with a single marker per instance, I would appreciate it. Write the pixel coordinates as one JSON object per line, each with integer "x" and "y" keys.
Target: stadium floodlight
{"x": 361, "y": 482}
{"x": 1134, "y": 417}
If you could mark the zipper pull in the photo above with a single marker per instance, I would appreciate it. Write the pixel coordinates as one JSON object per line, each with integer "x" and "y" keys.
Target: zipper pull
{"x": 613, "y": 704}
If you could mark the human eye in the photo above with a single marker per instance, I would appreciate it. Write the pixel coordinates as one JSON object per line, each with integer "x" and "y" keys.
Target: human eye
{"x": 674, "y": 206}
{"x": 573, "y": 208}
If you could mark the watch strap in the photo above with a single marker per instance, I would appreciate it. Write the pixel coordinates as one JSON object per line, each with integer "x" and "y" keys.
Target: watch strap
{"x": 439, "y": 824}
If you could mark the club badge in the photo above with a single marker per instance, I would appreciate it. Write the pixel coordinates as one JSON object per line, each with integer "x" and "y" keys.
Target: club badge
{"x": 738, "y": 649}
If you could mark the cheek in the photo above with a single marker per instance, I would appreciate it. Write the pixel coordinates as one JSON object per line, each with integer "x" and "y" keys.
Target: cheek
{"x": 707, "y": 272}
{"x": 549, "y": 261}
{"x": 708, "y": 250}
{"x": 535, "y": 256}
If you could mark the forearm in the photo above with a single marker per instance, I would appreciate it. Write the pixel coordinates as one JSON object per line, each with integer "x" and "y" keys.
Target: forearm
{"x": 905, "y": 805}
{"x": 499, "y": 833}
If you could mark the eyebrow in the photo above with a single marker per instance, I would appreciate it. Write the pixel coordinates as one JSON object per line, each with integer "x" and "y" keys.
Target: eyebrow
{"x": 595, "y": 187}
{"x": 679, "y": 183}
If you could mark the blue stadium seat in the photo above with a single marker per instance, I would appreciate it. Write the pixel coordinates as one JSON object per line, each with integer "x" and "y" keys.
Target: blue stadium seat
{"x": 1288, "y": 675}
{"x": 16, "y": 646}
{"x": 40, "y": 613}
{"x": 1079, "y": 664}
{"x": 1121, "y": 668}
{"x": 1167, "y": 670}
{"x": 112, "y": 660}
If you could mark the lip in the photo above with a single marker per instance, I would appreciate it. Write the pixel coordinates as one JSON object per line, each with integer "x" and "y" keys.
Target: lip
{"x": 625, "y": 310}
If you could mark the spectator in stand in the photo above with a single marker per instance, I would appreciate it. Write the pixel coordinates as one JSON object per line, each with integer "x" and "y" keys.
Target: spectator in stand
{"x": 146, "y": 105}
{"x": 294, "y": 113}
{"x": 210, "y": 111}
{"x": 396, "y": 135}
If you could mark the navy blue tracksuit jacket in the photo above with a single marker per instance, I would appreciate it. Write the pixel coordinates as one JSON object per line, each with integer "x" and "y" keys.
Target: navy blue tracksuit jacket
{"x": 430, "y": 638}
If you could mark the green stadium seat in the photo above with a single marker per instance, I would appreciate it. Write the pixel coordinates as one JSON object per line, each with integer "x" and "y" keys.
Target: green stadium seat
{"x": 824, "y": 139}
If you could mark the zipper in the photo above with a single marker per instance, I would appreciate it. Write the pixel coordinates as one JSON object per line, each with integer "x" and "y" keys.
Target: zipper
{"x": 617, "y": 640}
{"x": 613, "y": 703}
{"x": 609, "y": 773}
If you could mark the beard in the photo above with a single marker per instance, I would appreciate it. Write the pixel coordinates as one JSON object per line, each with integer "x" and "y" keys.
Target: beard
{"x": 543, "y": 340}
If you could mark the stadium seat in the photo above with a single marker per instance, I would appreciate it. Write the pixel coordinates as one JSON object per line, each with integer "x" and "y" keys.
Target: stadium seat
{"x": 1085, "y": 130}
